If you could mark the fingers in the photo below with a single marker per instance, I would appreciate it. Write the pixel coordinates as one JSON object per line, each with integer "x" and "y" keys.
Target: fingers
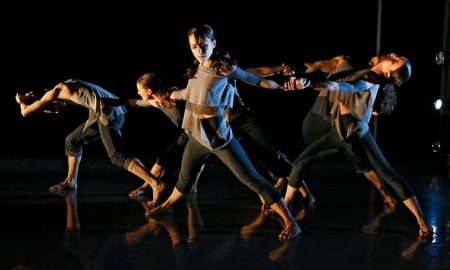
{"x": 287, "y": 70}
{"x": 302, "y": 83}
{"x": 289, "y": 84}
{"x": 294, "y": 83}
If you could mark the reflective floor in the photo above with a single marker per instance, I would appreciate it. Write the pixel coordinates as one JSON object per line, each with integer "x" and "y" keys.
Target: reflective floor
{"x": 99, "y": 227}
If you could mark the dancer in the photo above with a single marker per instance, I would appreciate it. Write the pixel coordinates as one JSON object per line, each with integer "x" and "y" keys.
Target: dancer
{"x": 318, "y": 120}
{"x": 273, "y": 163}
{"x": 104, "y": 122}
{"x": 353, "y": 102}
{"x": 208, "y": 94}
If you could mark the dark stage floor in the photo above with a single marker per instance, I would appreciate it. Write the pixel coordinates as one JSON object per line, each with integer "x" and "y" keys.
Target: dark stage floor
{"x": 222, "y": 228}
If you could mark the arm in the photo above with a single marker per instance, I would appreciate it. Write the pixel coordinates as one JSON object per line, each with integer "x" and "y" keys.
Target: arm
{"x": 140, "y": 103}
{"x": 38, "y": 105}
{"x": 269, "y": 71}
{"x": 254, "y": 80}
{"x": 179, "y": 94}
{"x": 295, "y": 83}
{"x": 325, "y": 66}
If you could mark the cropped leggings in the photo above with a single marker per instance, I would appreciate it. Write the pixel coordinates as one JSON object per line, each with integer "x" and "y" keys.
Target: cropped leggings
{"x": 331, "y": 143}
{"x": 234, "y": 157}
{"x": 110, "y": 136}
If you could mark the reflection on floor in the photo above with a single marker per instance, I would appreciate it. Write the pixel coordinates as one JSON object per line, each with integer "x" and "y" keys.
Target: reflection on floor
{"x": 99, "y": 227}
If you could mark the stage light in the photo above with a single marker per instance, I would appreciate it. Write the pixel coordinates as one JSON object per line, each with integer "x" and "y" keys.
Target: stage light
{"x": 440, "y": 58}
{"x": 438, "y": 104}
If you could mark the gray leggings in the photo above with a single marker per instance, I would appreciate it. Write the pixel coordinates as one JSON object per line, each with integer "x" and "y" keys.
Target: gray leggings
{"x": 110, "y": 136}
{"x": 234, "y": 157}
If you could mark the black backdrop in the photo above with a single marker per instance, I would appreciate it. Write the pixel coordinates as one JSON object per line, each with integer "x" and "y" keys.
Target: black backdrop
{"x": 111, "y": 43}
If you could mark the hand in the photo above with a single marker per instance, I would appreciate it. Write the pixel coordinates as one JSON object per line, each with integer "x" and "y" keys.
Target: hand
{"x": 294, "y": 83}
{"x": 26, "y": 98}
{"x": 286, "y": 70}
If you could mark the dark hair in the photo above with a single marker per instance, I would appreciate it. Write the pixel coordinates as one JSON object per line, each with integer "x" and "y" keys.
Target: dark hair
{"x": 221, "y": 58}
{"x": 150, "y": 80}
{"x": 386, "y": 99}
{"x": 401, "y": 75}
{"x": 154, "y": 82}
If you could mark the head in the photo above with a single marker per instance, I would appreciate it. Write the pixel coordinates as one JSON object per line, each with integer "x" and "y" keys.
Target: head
{"x": 202, "y": 42}
{"x": 148, "y": 84}
{"x": 396, "y": 69}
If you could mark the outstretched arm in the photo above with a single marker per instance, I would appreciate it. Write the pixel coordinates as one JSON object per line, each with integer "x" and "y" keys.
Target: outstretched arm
{"x": 139, "y": 102}
{"x": 254, "y": 80}
{"x": 179, "y": 94}
{"x": 325, "y": 66}
{"x": 269, "y": 71}
{"x": 27, "y": 108}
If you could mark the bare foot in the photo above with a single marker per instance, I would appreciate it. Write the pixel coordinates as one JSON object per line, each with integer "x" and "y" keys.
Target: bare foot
{"x": 64, "y": 185}
{"x": 137, "y": 192}
{"x": 291, "y": 231}
{"x": 424, "y": 229}
{"x": 389, "y": 201}
{"x": 157, "y": 191}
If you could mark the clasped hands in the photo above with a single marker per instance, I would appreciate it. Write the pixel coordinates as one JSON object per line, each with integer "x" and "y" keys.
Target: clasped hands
{"x": 294, "y": 83}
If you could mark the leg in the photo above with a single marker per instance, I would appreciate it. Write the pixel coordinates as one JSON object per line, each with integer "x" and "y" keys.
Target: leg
{"x": 373, "y": 177}
{"x": 170, "y": 158}
{"x": 193, "y": 189}
{"x": 73, "y": 164}
{"x": 234, "y": 157}
{"x": 329, "y": 144}
{"x": 157, "y": 171}
{"x": 291, "y": 228}
{"x": 74, "y": 151}
{"x": 192, "y": 162}
{"x": 356, "y": 154}
{"x": 401, "y": 187}
{"x": 112, "y": 140}
{"x": 137, "y": 168}
{"x": 308, "y": 198}
{"x": 413, "y": 205}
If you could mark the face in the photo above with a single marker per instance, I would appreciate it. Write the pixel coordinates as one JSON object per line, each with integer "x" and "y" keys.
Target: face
{"x": 387, "y": 63}
{"x": 202, "y": 49}
{"x": 391, "y": 60}
{"x": 145, "y": 93}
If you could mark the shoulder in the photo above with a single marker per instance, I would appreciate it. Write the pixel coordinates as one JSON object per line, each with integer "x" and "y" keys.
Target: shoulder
{"x": 340, "y": 59}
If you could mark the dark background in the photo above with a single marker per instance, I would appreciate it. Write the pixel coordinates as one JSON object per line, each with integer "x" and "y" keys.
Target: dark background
{"x": 111, "y": 43}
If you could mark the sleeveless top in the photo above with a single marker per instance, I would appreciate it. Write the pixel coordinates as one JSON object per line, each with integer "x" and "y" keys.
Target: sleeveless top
{"x": 94, "y": 97}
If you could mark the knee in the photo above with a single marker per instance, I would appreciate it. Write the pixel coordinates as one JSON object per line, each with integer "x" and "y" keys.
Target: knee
{"x": 120, "y": 161}
{"x": 183, "y": 184}
{"x": 72, "y": 146}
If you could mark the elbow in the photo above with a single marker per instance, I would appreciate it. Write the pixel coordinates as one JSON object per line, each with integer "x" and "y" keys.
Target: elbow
{"x": 25, "y": 113}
